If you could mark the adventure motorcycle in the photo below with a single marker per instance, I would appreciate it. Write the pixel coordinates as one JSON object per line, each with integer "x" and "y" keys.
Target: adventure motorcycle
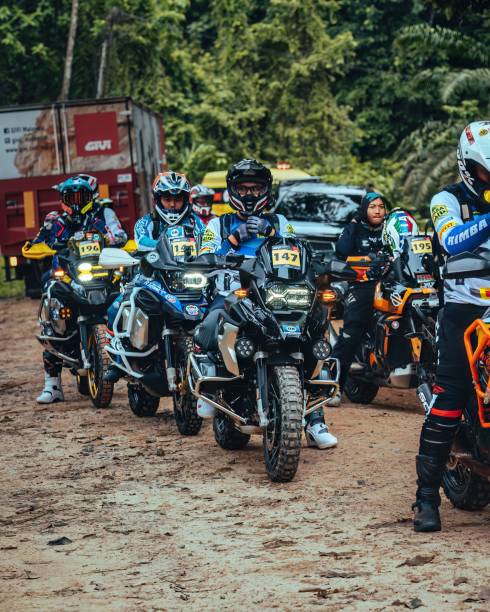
{"x": 154, "y": 324}
{"x": 72, "y": 312}
{"x": 398, "y": 349}
{"x": 262, "y": 361}
{"x": 466, "y": 478}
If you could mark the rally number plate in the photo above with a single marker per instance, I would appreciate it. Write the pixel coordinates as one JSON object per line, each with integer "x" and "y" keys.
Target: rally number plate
{"x": 422, "y": 245}
{"x": 89, "y": 248}
{"x": 182, "y": 247}
{"x": 286, "y": 256}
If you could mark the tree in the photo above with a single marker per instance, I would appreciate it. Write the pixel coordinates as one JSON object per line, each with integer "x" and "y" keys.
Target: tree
{"x": 65, "y": 88}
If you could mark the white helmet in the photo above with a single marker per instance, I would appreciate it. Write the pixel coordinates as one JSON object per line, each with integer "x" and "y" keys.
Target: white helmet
{"x": 474, "y": 152}
{"x": 201, "y": 198}
{"x": 397, "y": 226}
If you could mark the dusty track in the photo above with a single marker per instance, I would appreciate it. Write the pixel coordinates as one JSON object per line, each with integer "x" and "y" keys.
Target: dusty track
{"x": 158, "y": 522}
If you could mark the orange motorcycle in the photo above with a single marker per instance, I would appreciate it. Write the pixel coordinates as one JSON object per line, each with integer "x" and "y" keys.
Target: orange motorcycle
{"x": 466, "y": 478}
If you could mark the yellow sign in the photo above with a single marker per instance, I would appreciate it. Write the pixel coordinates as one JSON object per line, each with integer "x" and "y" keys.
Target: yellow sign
{"x": 284, "y": 256}
{"x": 89, "y": 248}
{"x": 422, "y": 245}
{"x": 179, "y": 247}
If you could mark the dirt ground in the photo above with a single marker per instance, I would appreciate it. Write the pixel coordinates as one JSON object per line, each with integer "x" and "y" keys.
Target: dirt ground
{"x": 149, "y": 520}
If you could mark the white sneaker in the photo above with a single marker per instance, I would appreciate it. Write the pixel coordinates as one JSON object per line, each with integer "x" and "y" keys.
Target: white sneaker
{"x": 318, "y": 435}
{"x": 52, "y": 391}
{"x": 335, "y": 400}
{"x": 204, "y": 409}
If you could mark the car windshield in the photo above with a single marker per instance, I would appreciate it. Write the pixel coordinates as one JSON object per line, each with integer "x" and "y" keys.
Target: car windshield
{"x": 316, "y": 205}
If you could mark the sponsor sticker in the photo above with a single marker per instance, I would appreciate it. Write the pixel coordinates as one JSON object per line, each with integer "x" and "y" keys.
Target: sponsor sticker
{"x": 483, "y": 132}
{"x": 422, "y": 245}
{"x": 88, "y": 248}
{"x": 208, "y": 236}
{"x": 171, "y": 298}
{"x": 192, "y": 310}
{"x": 469, "y": 135}
{"x": 446, "y": 227}
{"x": 438, "y": 211}
{"x": 175, "y": 232}
{"x": 286, "y": 256}
{"x": 291, "y": 329}
{"x": 485, "y": 293}
{"x": 152, "y": 257}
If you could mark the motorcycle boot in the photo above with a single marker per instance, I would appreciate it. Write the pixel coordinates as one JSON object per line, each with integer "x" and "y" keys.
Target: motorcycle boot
{"x": 426, "y": 507}
{"x": 317, "y": 433}
{"x": 52, "y": 391}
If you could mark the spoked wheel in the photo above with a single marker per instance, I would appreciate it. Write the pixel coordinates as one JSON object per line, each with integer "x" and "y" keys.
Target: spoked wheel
{"x": 465, "y": 489}
{"x": 82, "y": 385}
{"x": 141, "y": 402}
{"x": 188, "y": 422}
{"x": 359, "y": 391}
{"x": 227, "y": 435}
{"x": 282, "y": 437}
{"x": 100, "y": 391}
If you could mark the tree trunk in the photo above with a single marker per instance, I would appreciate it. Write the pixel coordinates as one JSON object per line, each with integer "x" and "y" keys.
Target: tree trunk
{"x": 65, "y": 89}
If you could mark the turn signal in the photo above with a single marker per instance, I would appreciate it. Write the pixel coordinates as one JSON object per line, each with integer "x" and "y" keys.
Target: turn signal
{"x": 59, "y": 273}
{"x": 241, "y": 293}
{"x": 328, "y": 296}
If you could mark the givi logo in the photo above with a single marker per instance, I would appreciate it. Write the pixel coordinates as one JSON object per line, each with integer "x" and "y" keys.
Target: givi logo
{"x": 99, "y": 145}
{"x": 96, "y": 134}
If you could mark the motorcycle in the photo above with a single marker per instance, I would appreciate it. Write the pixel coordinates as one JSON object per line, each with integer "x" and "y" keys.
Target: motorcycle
{"x": 263, "y": 362}
{"x": 466, "y": 477}
{"x": 398, "y": 349}
{"x": 72, "y": 311}
{"x": 154, "y": 324}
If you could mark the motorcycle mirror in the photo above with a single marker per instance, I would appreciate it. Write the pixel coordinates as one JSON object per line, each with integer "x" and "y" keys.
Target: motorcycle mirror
{"x": 467, "y": 265}
{"x": 339, "y": 269}
{"x": 112, "y": 258}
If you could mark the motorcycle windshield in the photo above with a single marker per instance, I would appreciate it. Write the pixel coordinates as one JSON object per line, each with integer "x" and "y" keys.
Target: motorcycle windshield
{"x": 285, "y": 259}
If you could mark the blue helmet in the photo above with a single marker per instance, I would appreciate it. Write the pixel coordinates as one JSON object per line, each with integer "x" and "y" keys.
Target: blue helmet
{"x": 78, "y": 194}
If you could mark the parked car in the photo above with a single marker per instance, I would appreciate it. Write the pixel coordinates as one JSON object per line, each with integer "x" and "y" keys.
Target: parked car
{"x": 319, "y": 211}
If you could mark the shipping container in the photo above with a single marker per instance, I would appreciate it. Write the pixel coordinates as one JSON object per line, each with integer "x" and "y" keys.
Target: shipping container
{"x": 115, "y": 139}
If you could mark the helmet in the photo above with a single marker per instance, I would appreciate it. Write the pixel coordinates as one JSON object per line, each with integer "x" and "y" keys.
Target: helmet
{"x": 50, "y": 219}
{"x": 92, "y": 181}
{"x": 474, "y": 152}
{"x": 205, "y": 195}
{"x": 171, "y": 184}
{"x": 77, "y": 195}
{"x": 245, "y": 171}
{"x": 398, "y": 225}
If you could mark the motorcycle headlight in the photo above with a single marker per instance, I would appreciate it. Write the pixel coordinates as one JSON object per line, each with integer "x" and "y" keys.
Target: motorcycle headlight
{"x": 85, "y": 272}
{"x": 194, "y": 280}
{"x": 279, "y": 297}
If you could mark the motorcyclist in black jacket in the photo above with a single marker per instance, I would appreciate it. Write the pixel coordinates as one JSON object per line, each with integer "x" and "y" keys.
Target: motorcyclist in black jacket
{"x": 363, "y": 236}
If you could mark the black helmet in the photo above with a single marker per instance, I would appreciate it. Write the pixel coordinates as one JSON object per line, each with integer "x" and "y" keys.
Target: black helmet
{"x": 249, "y": 171}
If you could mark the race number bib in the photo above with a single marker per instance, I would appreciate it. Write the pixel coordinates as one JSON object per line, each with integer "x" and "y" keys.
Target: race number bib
{"x": 88, "y": 248}
{"x": 422, "y": 245}
{"x": 286, "y": 256}
{"x": 182, "y": 247}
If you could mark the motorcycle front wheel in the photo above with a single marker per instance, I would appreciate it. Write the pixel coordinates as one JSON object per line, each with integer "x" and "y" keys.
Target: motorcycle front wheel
{"x": 141, "y": 402}
{"x": 100, "y": 391}
{"x": 188, "y": 422}
{"x": 282, "y": 437}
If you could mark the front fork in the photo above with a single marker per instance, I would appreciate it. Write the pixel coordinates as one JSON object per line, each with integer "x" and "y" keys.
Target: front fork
{"x": 262, "y": 396}
{"x": 168, "y": 345}
{"x": 84, "y": 335}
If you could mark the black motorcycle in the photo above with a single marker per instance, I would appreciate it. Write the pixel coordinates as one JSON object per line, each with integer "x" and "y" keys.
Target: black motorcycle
{"x": 72, "y": 312}
{"x": 153, "y": 326}
{"x": 262, "y": 361}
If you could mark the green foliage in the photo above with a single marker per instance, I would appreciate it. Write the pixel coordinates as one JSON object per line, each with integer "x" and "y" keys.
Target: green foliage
{"x": 356, "y": 91}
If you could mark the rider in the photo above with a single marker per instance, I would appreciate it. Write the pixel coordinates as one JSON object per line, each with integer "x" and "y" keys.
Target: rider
{"x": 363, "y": 236}
{"x": 81, "y": 212}
{"x": 249, "y": 186}
{"x": 171, "y": 213}
{"x": 201, "y": 199}
{"x": 461, "y": 217}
